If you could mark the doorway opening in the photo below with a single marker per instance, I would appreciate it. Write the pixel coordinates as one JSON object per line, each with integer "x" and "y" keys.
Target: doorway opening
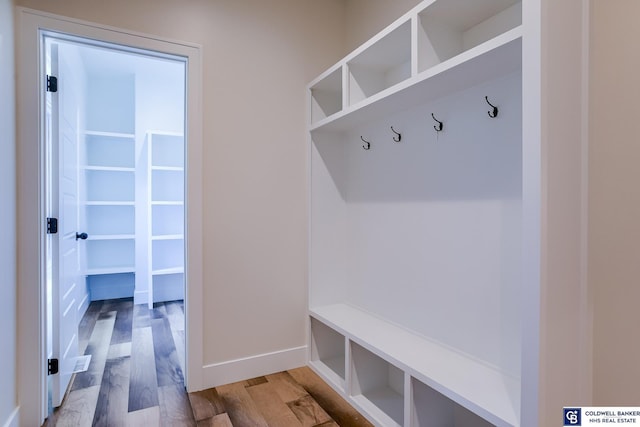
{"x": 115, "y": 252}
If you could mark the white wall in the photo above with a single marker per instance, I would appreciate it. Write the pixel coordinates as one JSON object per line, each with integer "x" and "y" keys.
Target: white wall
{"x": 258, "y": 57}
{"x": 614, "y": 200}
{"x": 8, "y": 283}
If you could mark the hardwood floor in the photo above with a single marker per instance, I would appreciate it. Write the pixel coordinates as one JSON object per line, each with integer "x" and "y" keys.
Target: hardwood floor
{"x": 135, "y": 377}
{"x": 295, "y": 398}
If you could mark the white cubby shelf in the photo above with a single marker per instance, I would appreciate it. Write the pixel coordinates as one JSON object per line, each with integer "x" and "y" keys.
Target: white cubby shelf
{"x": 498, "y": 55}
{"x": 111, "y": 236}
{"x": 458, "y": 377}
{"x": 416, "y": 262}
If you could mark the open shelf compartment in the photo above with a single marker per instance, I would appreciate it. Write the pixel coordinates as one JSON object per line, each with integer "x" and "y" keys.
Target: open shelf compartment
{"x": 432, "y": 409}
{"x": 110, "y": 186}
{"x": 111, "y": 285}
{"x": 167, "y": 185}
{"x": 326, "y": 96}
{"x": 167, "y": 254}
{"x": 449, "y": 28}
{"x": 105, "y": 219}
{"x": 110, "y": 150}
{"x": 167, "y": 220}
{"x": 382, "y": 65}
{"x": 377, "y": 386}
{"x": 328, "y": 352}
{"x": 167, "y": 149}
{"x": 117, "y": 255}
{"x": 168, "y": 287}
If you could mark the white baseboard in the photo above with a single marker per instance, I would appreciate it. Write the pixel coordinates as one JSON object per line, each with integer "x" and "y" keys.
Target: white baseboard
{"x": 233, "y": 371}
{"x": 14, "y": 418}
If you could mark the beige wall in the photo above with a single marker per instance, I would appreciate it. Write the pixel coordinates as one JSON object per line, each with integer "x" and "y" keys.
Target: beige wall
{"x": 614, "y": 200}
{"x": 365, "y": 18}
{"x": 258, "y": 57}
{"x": 8, "y": 282}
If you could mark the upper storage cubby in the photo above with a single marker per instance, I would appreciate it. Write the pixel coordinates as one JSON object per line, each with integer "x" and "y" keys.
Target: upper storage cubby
{"x": 448, "y": 28}
{"x": 381, "y": 65}
{"x": 326, "y": 95}
{"x": 437, "y": 48}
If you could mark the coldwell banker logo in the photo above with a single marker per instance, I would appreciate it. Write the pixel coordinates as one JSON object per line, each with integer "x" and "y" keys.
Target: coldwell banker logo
{"x": 572, "y": 417}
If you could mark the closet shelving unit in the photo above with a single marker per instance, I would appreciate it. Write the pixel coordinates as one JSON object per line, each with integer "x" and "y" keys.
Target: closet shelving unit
{"x": 166, "y": 215}
{"x": 109, "y": 203}
{"x": 415, "y": 247}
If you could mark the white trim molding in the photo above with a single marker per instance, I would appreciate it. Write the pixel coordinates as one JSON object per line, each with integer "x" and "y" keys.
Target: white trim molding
{"x": 232, "y": 371}
{"x": 12, "y": 421}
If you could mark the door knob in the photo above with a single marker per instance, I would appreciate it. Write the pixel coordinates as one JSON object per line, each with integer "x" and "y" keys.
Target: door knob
{"x": 82, "y": 236}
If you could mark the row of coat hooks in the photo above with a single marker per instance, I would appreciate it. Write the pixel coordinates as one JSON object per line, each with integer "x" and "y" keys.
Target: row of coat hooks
{"x": 439, "y": 127}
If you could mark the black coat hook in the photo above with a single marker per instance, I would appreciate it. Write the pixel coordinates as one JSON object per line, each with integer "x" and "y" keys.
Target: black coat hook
{"x": 398, "y": 137}
{"x": 494, "y": 112}
{"x": 366, "y": 147}
{"x": 440, "y": 125}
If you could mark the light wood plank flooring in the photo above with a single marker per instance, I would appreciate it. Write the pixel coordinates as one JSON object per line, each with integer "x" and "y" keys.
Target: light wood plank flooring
{"x": 135, "y": 377}
{"x": 295, "y": 398}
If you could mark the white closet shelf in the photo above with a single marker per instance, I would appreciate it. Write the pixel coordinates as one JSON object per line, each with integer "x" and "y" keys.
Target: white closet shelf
{"x": 109, "y": 168}
{"x": 109, "y": 203}
{"x": 168, "y": 168}
{"x": 110, "y": 270}
{"x": 168, "y": 237}
{"x": 109, "y": 134}
{"x": 501, "y": 55}
{"x": 111, "y": 236}
{"x": 163, "y": 271}
{"x": 467, "y": 381}
{"x": 167, "y": 203}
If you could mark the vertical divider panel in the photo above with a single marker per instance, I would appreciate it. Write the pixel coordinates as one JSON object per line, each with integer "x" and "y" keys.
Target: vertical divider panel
{"x": 415, "y": 69}
{"x": 408, "y": 401}
{"x": 348, "y": 365}
{"x": 346, "y": 86}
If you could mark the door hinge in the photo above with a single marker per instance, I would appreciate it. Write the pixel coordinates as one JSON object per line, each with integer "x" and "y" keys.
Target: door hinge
{"x": 52, "y": 84}
{"x": 52, "y": 366}
{"x": 52, "y": 225}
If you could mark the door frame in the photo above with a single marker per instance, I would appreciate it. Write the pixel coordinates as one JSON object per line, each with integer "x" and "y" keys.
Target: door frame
{"x": 31, "y": 348}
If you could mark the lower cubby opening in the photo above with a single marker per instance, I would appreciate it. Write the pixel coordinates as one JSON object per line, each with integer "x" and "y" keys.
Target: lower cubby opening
{"x": 168, "y": 287}
{"x": 432, "y": 409}
{"x": 167, "y": 255}
{"x": 111, "y": 286}
{"x": 328, "y": 352}
{"x": 440, "y": 381}
{"x": 377, "y": 386}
